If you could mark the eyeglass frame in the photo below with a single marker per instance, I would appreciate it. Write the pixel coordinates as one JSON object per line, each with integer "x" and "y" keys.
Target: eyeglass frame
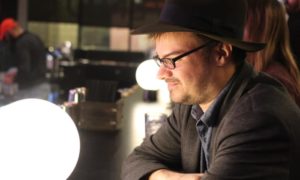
{"x": 160, "y": 61}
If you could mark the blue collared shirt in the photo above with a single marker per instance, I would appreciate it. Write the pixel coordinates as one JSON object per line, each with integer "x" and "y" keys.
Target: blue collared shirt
{"x": 204, "y": 125}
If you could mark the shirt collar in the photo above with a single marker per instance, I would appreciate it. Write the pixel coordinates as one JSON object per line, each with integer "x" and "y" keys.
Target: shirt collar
{"x": 209, "y": 117}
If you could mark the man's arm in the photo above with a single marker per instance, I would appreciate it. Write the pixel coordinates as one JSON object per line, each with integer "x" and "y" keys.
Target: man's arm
{"x": 164, "y": 150}
{"x": 23, "y": 60}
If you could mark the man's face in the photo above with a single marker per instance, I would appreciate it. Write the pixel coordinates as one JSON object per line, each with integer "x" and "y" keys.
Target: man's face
{"x": 10, "y": 34}
{"x": 192, "y": 81}
{"x": 13, "y": 32}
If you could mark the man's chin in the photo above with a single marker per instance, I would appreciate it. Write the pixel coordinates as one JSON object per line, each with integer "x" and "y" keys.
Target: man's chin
{"x": 180, "y": 99}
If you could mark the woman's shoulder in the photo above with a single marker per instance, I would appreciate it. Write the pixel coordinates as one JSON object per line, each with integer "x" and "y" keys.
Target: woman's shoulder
{"x": 280, "y": 73}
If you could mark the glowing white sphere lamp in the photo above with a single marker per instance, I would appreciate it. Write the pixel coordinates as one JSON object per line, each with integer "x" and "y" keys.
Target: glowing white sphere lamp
{"x": 146, "y": 75}
{"x": 38, "y": 140}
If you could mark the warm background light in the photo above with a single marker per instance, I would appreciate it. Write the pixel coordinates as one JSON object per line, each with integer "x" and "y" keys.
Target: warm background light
{"x": 38, "y": 141}
{"x": 146, "y": 75}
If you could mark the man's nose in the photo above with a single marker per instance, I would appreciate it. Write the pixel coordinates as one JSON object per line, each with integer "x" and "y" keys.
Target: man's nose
{"x": 163, "y": 73}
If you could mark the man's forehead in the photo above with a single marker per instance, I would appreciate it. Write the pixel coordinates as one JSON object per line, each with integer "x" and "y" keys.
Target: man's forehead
{"x": 176, "y": 35}
{"x": 179, "y": 38}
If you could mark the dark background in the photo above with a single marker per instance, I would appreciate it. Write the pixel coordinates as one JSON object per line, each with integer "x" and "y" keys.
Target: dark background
{"x": 104, "y": 13}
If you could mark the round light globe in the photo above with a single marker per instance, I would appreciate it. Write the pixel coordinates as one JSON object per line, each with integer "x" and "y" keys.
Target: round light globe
{"x": 146, "y": 75}
{"x": 38, "y": 140}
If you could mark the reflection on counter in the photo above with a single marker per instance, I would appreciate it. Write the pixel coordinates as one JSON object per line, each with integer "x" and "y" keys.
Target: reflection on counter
{"x": 94, "y": 114}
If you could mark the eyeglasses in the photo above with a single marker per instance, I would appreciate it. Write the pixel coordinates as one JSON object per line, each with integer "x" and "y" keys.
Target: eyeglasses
{"x": 170, "y": 62}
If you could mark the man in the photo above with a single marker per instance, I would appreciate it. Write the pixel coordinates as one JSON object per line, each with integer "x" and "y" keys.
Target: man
{"x": 28, "y": 50}
{"x": 228, "y": 121}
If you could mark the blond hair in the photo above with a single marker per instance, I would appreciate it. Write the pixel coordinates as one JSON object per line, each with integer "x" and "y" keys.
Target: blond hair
{"x": 267, "y": 23}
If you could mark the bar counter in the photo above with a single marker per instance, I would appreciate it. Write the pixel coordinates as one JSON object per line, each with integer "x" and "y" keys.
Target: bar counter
{"x": 103, "y": 152}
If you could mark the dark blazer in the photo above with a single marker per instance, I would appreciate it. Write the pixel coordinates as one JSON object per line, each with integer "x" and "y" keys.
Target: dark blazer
{"x": 257, "y": 136}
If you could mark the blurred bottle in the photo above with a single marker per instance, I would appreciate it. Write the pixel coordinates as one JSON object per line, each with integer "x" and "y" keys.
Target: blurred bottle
{"x": 77, "y": 95}
{"x": 153, "y": 122}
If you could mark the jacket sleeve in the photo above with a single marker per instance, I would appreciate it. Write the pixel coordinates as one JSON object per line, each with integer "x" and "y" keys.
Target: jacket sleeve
{"x": 161, "y": 150}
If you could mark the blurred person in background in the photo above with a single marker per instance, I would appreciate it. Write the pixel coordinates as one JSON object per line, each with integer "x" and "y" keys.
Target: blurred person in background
{"x": 266, "y": 22}
{"x": 28, "y": 51}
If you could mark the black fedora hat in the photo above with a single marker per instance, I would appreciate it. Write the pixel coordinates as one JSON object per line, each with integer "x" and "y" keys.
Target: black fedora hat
{"x": 221, "y": 20}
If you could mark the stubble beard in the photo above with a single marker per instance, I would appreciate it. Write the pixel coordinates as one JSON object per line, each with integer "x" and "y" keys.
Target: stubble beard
{"x": 179, "y": 96}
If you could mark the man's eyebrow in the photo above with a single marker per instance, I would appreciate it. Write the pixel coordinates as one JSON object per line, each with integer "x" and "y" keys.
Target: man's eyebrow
{"x": 169, "y": 54}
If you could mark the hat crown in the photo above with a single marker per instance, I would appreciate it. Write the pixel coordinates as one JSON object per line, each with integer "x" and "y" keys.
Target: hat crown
{"x": 221, "y": 17}
{"x": 221, "y": 20}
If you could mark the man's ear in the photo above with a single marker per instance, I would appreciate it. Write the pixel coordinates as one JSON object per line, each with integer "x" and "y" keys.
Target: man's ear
{"x": 224, "y": 51}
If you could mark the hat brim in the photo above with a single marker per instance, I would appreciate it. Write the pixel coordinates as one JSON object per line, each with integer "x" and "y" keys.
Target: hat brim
{"x": 160, "y": 27}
